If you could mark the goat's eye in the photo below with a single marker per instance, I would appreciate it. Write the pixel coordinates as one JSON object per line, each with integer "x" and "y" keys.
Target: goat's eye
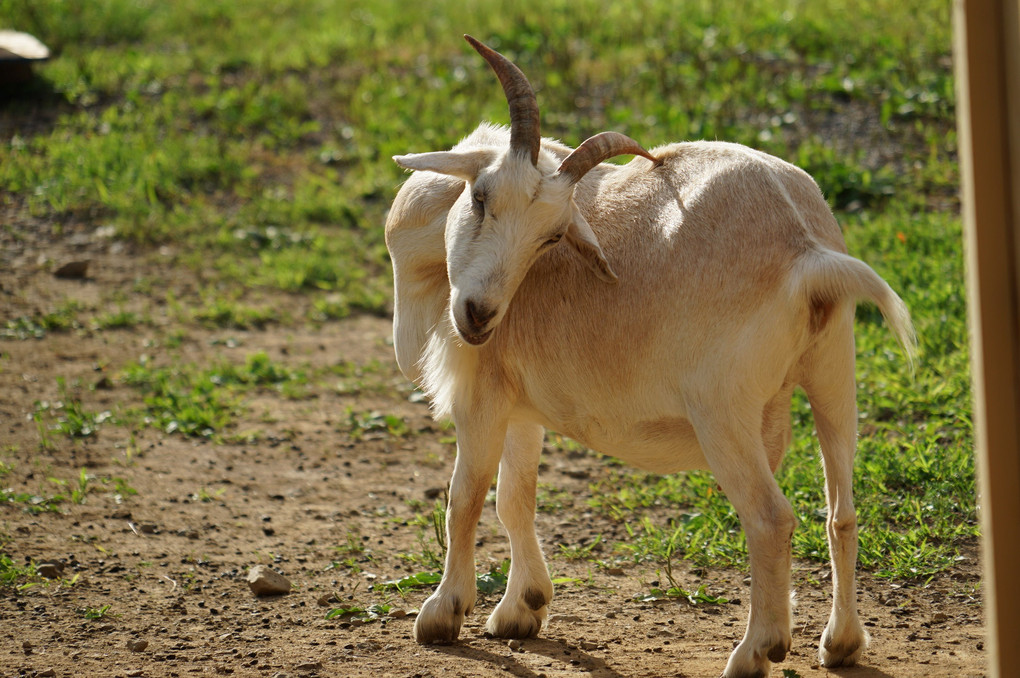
{"x": 553, "y": 240}
{"x": 478, "y": 202}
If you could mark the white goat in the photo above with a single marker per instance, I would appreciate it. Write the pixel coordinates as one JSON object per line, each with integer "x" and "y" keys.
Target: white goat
{"x": 661, "y": 312}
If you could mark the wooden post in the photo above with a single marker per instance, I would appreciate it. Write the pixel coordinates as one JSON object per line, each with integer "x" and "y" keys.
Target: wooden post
{"x": 987, "y": 56}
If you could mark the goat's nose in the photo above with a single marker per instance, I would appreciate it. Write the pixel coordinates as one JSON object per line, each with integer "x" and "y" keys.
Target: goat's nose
{"x": 478, "y": 315}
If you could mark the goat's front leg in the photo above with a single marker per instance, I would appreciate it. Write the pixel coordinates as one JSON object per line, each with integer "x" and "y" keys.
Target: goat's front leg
{"x": 737, "y": 457}
{"x": 478, "y": 451}
{"x": 523, "y": 609}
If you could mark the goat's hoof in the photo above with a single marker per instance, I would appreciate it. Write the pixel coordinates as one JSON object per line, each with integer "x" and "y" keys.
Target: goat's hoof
{"x": 517, "y": 619}
{"x": 748, "y": 661}
{"x": 845, "y": 651}
{"x": 440, "y": 619}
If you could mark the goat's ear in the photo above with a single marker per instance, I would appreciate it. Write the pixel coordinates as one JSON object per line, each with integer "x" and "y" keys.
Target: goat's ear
{"x": 464, "y": 166}
{"x": 580, "y": 236}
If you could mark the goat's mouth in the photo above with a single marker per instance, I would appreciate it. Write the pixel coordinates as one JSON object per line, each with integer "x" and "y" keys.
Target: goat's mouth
{"x": 476, "y": 339}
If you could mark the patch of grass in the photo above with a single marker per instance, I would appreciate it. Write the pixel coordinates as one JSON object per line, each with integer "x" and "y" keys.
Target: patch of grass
{"x": 116, "y": 320}
{"x": 358, "y": 425}
{"x": 182, "y": 401}
{"x": 64, "y": 318}
{"x": 224, "y": 313}
{"x": 65, "y": 416}
{"x": 431, "y": 539}
{"x": 365, "y": 614}
{"x": 196, "y": 402}
{"x": 96, "y": 613}
{"x": 13, "y": 575}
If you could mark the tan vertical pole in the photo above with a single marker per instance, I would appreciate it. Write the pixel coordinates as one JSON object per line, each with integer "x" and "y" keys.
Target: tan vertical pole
{"x": 987, "y": 56}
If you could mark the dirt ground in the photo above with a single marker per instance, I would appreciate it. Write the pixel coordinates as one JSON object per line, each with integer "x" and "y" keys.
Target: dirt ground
{"x": 171, "y": 561}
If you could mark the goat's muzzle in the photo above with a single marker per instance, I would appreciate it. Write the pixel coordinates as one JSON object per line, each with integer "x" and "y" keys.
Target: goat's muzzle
{"x": 475, "y": 329}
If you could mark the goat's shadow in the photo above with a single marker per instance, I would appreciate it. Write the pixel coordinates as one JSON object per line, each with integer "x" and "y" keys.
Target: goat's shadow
{"x": 586, "y": 664}
{"x": 556, "y": 650}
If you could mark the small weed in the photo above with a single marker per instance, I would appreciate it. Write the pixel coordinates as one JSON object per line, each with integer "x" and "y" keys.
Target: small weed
{"x": 227, "y": 314}
{"x": 494, "y": 581}
{"x": 365, "y": 614}
{"x": 63, "y": 319}
{"x": 122, "y": 490}
{"x": 580, "y": 552}
{"x": 95, "y": 613}
{"x": 11, "y": 573}
{"x": 66, "y": 416}
{"x": 81, "y": 489}
{"x": 489, "y": 583}
{"x": 359, "y": 425}
{"x": 411, "y": 581}
{"x": 118, "y": 320}
{"x": 694, "y": 598}
{"x": 205, "y": 496}
{"x": 33, "y": 503}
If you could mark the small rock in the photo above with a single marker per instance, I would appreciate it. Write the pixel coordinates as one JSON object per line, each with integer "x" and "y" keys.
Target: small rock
{"x": 135, "y": 673}
{"x": 615, "y": 572}
{"x": 309, "y": 666}
{"x": 50, "y": 570}
{"x": 264, "y": 581}
{"x": 137, "y": 644}
{"x": 397, "y": 614}
{"x": 48, "y": 673}
{"x": 73, "y": 270}
{"x": 514, "y": 645}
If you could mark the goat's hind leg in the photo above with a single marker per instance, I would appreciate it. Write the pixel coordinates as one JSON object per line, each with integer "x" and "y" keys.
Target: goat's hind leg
{"x": 478, "y": 451}
{"x": 829, "y": 382}
{"x": 523, "y": 609}
{"x": 735, "y": 451}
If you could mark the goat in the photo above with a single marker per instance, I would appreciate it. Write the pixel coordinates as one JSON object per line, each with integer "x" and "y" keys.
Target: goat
{"x": 661, "y": 312}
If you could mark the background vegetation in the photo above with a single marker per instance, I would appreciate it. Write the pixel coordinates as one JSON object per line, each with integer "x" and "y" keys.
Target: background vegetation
{"x": 256, "y": 139}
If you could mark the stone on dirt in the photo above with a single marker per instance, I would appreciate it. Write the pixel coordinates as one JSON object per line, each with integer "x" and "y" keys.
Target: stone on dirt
{"x": 50, "y": 570}
{"x": 264, "y": 581}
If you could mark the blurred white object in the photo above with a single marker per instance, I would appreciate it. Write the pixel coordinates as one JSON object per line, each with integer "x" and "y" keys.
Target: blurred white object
{"x": 17, "y": 46}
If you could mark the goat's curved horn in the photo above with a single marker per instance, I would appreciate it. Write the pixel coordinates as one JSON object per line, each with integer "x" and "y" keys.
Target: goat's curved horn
{"x": 525, "y": 133}
{"x": 598, "y": 148}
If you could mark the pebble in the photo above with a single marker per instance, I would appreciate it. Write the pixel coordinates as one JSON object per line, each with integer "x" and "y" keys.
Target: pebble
{"x": 264, "y": 581}
{"x": 73, "y": 270}
{"x": 514, "y": 645}
{"x": 397, "y": 614}
{"x": 50, "y": 570}
{"x": 137, "y": 644}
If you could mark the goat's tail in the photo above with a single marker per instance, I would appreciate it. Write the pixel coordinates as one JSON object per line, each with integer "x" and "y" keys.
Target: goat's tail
{"x": 830, "y": 277}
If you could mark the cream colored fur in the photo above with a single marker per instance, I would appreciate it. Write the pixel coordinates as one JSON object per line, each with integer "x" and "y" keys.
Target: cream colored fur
{"x": 668, "y": 327}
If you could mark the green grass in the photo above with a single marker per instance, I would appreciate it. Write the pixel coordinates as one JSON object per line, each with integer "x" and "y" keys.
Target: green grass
{"x": 255, "y": 140}
{"x": 198, "y": 402}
